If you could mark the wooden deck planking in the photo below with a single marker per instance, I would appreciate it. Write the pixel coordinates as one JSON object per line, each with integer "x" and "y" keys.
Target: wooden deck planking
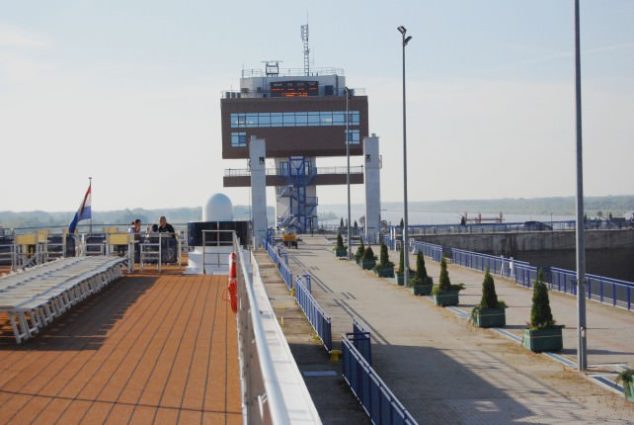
{"x": 169, "y": 355}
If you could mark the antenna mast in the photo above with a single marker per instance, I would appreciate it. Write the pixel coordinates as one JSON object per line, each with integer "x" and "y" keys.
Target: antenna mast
{"x": 306, "y": 49}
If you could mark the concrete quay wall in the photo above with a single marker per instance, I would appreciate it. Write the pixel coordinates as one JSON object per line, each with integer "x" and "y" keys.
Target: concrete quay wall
{"x": 513, "y": 243}
{"x": 608, "y": 252}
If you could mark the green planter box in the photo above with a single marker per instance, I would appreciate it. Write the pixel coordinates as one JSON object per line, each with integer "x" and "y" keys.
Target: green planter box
{"x": 538, "y": 340}
{"x": 399, "y": 279}
{"x": 385, "y": 271}
{"x": 368, "y": 264}
{"x": 421, "y": 289}
{"x": 357, "y": 260}
{"x": 490, "y": 318}
{"x": 628, "y": 390}
{"x": 341, "y": 252}
{"x": 446, "y": 298}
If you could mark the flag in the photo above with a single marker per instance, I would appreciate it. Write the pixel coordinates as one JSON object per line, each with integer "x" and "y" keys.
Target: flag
{"x": 83, "y": 212}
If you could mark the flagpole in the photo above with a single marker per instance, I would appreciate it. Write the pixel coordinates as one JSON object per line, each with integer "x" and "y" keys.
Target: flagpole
{"x": 90, "y": 186}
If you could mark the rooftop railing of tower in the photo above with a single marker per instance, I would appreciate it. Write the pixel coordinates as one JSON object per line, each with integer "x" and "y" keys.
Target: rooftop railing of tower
{"x": 248, "y": 94}
{"x": 242, "y": 172}
{"x": 292, "y": 72}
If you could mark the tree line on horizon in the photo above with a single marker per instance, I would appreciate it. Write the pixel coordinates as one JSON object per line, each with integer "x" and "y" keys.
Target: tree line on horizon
{"x": 10, "y": 219}
{"x": 595, "y": 206}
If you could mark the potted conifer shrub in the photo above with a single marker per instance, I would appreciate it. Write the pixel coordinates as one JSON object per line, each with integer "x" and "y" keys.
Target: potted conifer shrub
{"x": 542, "y": 333}
{"x": 627, "y": 377}
{"x": 359, "y": 254}
{"x": 421, "y": 284}
{"x": 340, "y": 249}
{"x": 385, "y": 268}
{"x": 368, "y": 261}
{"x": 491, "y": 312}
{"x": 445, "y": 293}
{"x": 400, "y": 272}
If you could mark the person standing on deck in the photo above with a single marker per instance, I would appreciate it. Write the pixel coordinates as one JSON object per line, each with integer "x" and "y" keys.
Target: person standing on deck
{"x": 165, "y": 227}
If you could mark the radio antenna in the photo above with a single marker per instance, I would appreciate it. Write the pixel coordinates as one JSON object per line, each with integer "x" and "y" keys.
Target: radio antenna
{"x": 306, "y": 48}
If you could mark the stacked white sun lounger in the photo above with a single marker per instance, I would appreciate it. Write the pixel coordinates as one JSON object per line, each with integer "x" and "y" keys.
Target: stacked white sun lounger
{"x": 37, "y": 296}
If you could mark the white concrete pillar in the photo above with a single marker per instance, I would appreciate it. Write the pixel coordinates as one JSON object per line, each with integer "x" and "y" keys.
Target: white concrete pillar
{"x": 372, "y": 180}
{"x": 257, "y": 154}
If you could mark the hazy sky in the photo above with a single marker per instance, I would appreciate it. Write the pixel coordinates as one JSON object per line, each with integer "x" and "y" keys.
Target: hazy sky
{"x": 128, "y": 92}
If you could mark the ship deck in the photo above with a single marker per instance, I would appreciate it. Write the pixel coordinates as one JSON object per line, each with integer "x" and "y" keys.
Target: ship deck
{"x": 151, "y": 348}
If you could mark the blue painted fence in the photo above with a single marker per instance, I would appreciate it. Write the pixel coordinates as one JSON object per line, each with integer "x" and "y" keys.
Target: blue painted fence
{"x": 280, "y": 258}
{"x": 362, "y": 340}
{"x": 380, "y": 404}
{"x": 600, "y": 288}
{"x": 314, "y": 313}
{"x": 428, "y": 249}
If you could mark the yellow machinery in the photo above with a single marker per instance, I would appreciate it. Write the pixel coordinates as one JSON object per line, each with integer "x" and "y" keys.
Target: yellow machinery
{"x": 289, "y": 238}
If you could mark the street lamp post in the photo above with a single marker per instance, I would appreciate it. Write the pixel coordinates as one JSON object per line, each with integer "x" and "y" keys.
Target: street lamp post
{"x": 582, "y": 362}
{"x": 347, "y": 93}
{"x": 405, "y": 245}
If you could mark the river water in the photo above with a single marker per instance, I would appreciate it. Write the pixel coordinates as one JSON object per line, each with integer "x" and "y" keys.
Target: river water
{"x": 424, "y": 217}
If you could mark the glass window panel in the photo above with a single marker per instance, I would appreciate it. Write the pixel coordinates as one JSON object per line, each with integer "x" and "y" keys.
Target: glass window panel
{"x": 276, "y": 119}
{"x": 325, "y": 118}
{"x": 301, "y": 119}
{"x": 252, "y": 120}
{"x": 234, "y": 120}
{"x": 289, "y": 119}
{"x": 313, "y": 118}
{"x": 264, "y": 119}
{"x": 241, "y": 120}
{"x": 355, "y": 117}
{"x": 353, "y": 137}
{"x": 338, "y": 118}
{"x": 238, "y": 139}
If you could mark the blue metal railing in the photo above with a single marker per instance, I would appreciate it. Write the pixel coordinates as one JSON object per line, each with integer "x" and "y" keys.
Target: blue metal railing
{"x": 281, "y": 261}
{"x": 379, "y": 403}
{"x": 303, "y": 288}
{"x": 362, "y": 340}
{"x": 606, "y": 290}
{"x": 428, "y": 249}
{"x": 317, "y": 317}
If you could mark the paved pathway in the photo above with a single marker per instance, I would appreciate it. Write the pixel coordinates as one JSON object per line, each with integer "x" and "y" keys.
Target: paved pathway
{"x": 149, "y": 349}
{"x": 445, "y": 371}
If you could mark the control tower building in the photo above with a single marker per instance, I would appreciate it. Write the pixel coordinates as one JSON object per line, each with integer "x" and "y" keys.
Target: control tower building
{"x": 295, "y": 117}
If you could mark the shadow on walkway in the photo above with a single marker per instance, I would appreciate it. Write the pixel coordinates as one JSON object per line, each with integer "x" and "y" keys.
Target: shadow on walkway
{"x": 84, "y": 327}
{"x": 477, "y": 389}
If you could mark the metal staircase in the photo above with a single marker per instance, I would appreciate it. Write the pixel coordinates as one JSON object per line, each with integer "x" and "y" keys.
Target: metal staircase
{"x": 302, "y": 208}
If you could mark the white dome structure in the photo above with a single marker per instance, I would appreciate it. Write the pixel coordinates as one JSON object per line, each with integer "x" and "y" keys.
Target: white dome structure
{"x": 218, "y": 208}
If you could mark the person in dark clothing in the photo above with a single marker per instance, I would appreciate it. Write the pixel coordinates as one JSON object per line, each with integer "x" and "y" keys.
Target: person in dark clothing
{"x": 164, "y": 226}
{"x": 168, "y": 241}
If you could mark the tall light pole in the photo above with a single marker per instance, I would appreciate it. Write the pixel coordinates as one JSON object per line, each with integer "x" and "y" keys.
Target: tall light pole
{"x": 346, "y": 90}
{"x": 405, "y": 245}
{"x": 582, "y": 361}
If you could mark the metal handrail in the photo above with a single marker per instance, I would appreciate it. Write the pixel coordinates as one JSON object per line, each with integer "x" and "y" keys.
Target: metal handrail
{"x": 292, "y": 72}
{"x": 557, "y": 278}
{"x": 362, "y": 391}
{"x": 245, "y": 172}
{"x": 272, "y": 404}
{"x": 316, "y": 315}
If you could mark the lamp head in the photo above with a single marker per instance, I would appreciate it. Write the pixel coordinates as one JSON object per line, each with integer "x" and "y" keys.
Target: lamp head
{"x": 407, "y": 39}
{"x": 401, "y": 29}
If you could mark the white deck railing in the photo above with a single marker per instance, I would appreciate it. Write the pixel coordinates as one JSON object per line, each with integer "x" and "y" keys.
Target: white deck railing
{"x": 273, "y": 389}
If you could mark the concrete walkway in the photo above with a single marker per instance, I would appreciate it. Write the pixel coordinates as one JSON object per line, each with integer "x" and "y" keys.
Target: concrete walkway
{"x": 445, "y": 371}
